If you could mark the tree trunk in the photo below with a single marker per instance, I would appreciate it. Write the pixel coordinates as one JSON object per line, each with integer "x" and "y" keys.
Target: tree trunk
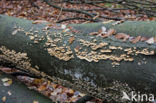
{"x": 101, "y": 67}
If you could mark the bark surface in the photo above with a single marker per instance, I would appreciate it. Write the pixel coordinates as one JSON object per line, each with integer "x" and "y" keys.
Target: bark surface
{"x": 101, "y": 67}
{"x": 17, "y": 92}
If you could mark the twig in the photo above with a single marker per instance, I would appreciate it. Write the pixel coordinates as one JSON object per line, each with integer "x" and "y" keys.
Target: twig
{"x": 79, "y": 18}
{"x": 69, "y": 10}
{"x": 60, "y": 12}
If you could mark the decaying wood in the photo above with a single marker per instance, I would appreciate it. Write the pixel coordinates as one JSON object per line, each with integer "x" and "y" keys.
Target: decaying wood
{"x": 100, "y": 67}
{"x": 17, "y": 92}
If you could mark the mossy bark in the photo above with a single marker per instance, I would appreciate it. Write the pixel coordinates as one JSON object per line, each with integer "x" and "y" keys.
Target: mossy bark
{"x": 101, "y": 67}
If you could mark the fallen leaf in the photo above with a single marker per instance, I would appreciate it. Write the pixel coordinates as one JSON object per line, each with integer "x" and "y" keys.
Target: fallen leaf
{"x": 93, "y": 33}
{"x": 77, "y": 48}
{"x": 35, "y": 101}
{"x": 155, "y": 39}
{"x": 6, "y": 81}
{"x": 9, "y": 93}
{"x": 111, "y": 32}
{"x": 70, "y": 93}
{"x": 37, "y": 81}
{"x": 63, "y": 26}
{"x": 104, "y": 35}
{"x": 106, "y": 22}
{"x": 135, "y": 40}
{"x": 71, "y": 39}
{"x": 66, "y": 30}
{"x": 4, "y": 98}
{"x": 150, "y": 40}
{"x": 38, "y": 21}
{"x": 54, "y": 86}
{"x": 143, "y": 39}
{"x": 15, "y": 32}
{"x": 103, "y": 28}
{"x": 42, "y": 88}
{"x": 122, "y": 36}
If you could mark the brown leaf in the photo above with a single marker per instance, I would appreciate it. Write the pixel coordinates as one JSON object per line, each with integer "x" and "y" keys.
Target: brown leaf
{"x": 6, "y": 81}
{"x": 122, "y": 36}
{"x": 111, "y": 32}
{"x": 4, "y": 98}
{"x": 42, "y": 88}
{"x": 155, "y": 39}
{"x": 77, "y": 48}
{"x": 143, "y": 39}
{"x": 71, "y": 39}
{"x": 37, "y": 81}
{"x": 35, "y": 101}
{"x": 104, "y": 35}
{"x": 135, "y": 40}
{"x": 38, "y": 21}
{"x": 93, "y": 33}
{"x": 70, "y": 93}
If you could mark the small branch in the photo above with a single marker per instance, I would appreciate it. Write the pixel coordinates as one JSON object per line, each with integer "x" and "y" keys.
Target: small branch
{"x": 60, "y": 12}
{"x": 111, "y": 18}
{"x": 79, "y": 18}
{"x": 69, "y": 10}
{"x": 24, "y": 74}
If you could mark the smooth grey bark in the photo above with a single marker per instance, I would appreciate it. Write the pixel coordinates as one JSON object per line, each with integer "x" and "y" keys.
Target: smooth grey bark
{"x": 19, "y": 92}
{"x": 79, "y": 63}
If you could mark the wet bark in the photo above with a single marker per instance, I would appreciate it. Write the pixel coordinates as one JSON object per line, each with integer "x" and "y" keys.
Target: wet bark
{"x": 100, "y": 67}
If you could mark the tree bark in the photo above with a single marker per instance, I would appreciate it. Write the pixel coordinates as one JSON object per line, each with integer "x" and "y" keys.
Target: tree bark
{"x": 19, "y": 93}
{"x": 100, "y": 67}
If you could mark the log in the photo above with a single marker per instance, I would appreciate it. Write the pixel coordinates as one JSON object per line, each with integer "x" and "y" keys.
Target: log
{"x": 100, "y": 67}
{"x": 17, "y": 92}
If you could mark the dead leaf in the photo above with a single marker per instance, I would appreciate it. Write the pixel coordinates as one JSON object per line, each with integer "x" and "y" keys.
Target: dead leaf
{"x": 106, "y": 22}
{"x": 122, "y": 36}
{"x": 71, "y": 91}
{"x": 135, "y": 40}
{"x": 155, "y": 39}
{"x": 104, "y": 35}
{"x": 103, "y": 28}
{"x": 111, "y": 32}
{"x": 71, "y": 39}
{"x": 37, "y": 81}
{"x": 143, "y": 39}
{"x": 4, "y": 98}
{"x": 38, "y": 21}
{"x": 150, "y": 40}
{"x": 42, "y": 88}
{"x": 35, "y": 101}
{"x": 6, "y": 81}
{"x": 15, "y": 32}
{"x": 63, "y": 26}
{"x": 9, "y": 93}
{"x": 93, "y": 33}
{"x": 54, "y": 86}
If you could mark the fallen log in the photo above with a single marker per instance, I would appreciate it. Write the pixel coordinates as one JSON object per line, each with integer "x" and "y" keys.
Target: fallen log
{"x": 17, "y": 92}
{"x": 100, "y": 67}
